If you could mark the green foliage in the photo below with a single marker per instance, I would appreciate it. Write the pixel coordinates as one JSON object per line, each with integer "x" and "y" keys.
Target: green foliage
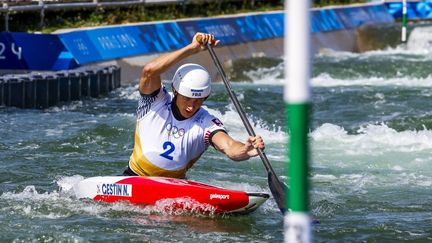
{"x": 322, "y": 3}
{"x": 88, "y": 17}
{"x": 75, "y": 18}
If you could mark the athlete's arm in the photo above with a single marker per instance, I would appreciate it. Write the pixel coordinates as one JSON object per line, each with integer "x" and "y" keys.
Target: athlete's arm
{"x": 237, "y": 150}
{"x": 150, "y": 80}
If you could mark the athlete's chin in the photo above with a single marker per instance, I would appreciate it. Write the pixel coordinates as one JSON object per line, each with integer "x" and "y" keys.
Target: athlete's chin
{"x": 187, "y": 114}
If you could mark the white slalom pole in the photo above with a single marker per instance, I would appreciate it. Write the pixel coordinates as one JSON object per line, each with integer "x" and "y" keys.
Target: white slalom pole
{"x": 297, "y": 97}
{"x": 404, "y": 21}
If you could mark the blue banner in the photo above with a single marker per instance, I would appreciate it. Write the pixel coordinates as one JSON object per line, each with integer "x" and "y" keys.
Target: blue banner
{"x": 10, "y": 53}
{"x": 376, "y": 14}
{"x": 33, "y": 52}
{"x": 67, "y": 50}
{"x": 161, "y": 37}
{"x": 275, "y": 24}
{"x": 224, "y": 28}
{"x": 331, "y": 19}
{"x": 81, "y": 46}
{"x": 324, "y": 20}
{"x": 353, "y": 17}
{"x": 415, "y": 10}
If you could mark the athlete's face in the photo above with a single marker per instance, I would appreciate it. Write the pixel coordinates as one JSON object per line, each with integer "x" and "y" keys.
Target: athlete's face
{"x": 188, "y": 106}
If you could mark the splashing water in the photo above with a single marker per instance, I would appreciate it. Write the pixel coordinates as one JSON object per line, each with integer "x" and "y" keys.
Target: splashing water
{"x": 371, "y": 159}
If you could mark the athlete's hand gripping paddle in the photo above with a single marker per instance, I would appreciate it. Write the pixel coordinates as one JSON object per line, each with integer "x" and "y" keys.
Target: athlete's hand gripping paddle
{"x": 277, "y": 188}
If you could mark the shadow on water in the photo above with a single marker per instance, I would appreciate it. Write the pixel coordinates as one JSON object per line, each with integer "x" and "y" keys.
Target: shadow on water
{"x": 222, "y": 224}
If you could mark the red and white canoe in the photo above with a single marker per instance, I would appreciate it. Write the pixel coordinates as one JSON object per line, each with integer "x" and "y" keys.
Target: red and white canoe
{"x": 180, "y": 194}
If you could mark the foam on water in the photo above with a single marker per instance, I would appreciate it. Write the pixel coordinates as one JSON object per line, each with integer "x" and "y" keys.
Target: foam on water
{"x": 362, "y": 178}
{"x": 409, "y": 51}
{"x": 234, "y": 124}
{"x": 129, "y": 92}
{"x": 373, "y": 138}
{"x": 67, "y": 183}
{"x": 34, "y": 204}
{"x": 417, "y": 51}
{"x": 373, "y": 158}
{"x": 268, "y": 76}
{"x": 63, "y": 204}
{"x": 326, "y": 80}
{"x": 72, "y": 106}
{"x": 59, "y": 204}
{"x": 183, "y": 206}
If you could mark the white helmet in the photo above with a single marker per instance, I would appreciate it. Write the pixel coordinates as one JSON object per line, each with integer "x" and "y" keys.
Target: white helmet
{"x": 192, "y": 80}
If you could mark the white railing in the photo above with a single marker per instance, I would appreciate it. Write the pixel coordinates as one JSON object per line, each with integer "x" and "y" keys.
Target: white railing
{"x": 34, "y": 5}
{"x": 12, "y": 6}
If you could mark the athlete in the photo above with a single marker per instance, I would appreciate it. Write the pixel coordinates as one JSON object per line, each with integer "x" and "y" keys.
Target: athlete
{"x": 172, "y": 129}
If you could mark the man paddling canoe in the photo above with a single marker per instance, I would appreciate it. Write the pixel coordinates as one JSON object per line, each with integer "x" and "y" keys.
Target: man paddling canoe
{"x": 172, "y": 129}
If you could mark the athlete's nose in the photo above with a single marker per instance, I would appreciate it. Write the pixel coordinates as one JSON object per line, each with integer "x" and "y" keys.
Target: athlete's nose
{"x": 189, "y": 108}
{"x": 192, "y": 103}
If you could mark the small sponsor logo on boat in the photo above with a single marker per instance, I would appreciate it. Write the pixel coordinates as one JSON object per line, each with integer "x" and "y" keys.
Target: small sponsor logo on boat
{"x": 112, "y": 189}
{"x": 219, "y": 196}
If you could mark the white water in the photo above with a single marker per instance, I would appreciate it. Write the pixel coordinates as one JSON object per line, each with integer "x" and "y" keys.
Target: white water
{"x": 370, "y": 181}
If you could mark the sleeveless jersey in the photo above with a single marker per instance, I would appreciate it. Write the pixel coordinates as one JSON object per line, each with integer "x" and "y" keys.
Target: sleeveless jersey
{"x": 165, "y": 146}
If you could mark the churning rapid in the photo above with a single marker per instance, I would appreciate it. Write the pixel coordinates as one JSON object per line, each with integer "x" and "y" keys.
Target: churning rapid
{"x": 371, "y": 163}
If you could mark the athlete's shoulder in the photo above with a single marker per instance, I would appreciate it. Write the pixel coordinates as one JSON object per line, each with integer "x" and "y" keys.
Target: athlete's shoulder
{"x": 206, "y": 118}
{"x": 156, "y": 101}
{"x": 164, "y": 96}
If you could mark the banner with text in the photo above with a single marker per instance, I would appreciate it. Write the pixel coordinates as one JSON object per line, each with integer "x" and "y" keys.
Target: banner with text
{"x": 70, "y": 49}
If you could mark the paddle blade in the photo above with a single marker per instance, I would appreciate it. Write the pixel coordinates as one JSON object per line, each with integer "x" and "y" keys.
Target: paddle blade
{"x": 278, "y": 190}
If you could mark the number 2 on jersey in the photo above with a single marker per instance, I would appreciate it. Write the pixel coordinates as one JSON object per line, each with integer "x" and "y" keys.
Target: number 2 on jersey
{"x": 168, "y": 148}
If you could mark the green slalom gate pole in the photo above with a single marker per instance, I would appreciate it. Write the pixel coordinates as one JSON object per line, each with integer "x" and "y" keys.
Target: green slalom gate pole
{"x": 297, "y": 98}
{"x": 404, "y": 21}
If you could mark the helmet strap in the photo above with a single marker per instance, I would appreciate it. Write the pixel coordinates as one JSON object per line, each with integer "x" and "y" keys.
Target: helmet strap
{"x": 174, "y": 91}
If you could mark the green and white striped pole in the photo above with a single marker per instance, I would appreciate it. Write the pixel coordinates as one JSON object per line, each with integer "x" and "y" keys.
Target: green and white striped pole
{"x": 404, "y": 21}
{"x": 297, "y": 97}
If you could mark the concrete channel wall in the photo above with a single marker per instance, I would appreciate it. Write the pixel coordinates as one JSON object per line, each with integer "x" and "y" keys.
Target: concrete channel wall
{"x": 128, "y": 47}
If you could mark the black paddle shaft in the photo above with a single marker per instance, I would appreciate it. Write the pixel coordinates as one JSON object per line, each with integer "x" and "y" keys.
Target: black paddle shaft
{"x": 276, "y": 187}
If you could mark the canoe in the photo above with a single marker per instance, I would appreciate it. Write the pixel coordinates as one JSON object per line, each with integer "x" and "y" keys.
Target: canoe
{"x": 170, "y": 194}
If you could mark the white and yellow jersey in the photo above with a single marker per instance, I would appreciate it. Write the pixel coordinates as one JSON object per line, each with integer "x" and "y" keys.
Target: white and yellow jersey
{"x": 165, "y": 146}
